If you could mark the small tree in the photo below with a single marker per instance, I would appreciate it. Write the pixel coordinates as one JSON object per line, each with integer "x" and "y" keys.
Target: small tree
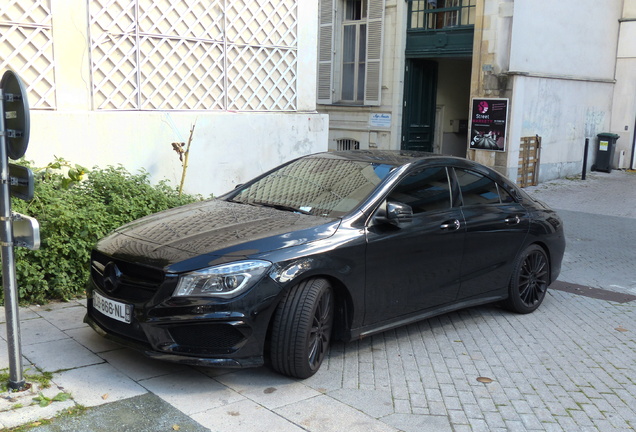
{"x": 183, "y": 150}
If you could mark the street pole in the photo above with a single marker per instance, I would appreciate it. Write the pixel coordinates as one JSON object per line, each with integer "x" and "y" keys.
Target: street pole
{"x": 586, "y": 148}
{"x": 16, "y": 379}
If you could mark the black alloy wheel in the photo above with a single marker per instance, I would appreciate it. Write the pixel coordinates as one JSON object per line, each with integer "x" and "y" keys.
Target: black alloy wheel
{"x": 529, "y": 281}
{"x": 301, "y": 329}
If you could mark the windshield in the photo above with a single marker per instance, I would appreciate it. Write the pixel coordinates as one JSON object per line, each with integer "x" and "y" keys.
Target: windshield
{"x": 321, "y": 186}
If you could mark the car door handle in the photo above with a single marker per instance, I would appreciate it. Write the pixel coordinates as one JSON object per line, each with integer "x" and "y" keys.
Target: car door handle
{"x": 513, "y": 220}
{"x": 451, "y": 225}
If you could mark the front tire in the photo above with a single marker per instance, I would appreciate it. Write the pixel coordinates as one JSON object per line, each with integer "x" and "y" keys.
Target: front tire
{"x": 301, "y": 330}
{"x": 529, "y": 281}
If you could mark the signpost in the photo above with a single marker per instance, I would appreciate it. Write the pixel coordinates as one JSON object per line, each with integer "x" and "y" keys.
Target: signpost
{"x": 15, "y": 229}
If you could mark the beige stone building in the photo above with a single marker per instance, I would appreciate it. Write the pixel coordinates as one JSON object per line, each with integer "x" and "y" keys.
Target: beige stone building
{"x": 400, "y": 74}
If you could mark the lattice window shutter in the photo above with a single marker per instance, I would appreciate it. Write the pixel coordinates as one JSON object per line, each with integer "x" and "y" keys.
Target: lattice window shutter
{"x": 375, "y": 14}
{"x": 325, "y": 51}
{"x": 238, "y": 55}
{"x": 26, "y": 46}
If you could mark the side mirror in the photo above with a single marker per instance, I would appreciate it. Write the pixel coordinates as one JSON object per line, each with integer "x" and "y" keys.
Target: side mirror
{"x": 395, "y": 213}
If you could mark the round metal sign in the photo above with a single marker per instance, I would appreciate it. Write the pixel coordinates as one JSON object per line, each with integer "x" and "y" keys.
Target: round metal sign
{"x": 16, "y": 114}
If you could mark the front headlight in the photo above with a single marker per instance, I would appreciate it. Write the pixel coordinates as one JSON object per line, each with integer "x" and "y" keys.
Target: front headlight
{"x": 227, "y": 280}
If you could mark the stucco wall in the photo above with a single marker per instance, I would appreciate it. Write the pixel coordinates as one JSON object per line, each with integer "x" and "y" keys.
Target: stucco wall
{"x": 624, "y": 103}
{"x": 624, "y": 111}
{"x": 228, "y": 147}
{"x": 566, "y": 37}
{"x": 563, "y": 113}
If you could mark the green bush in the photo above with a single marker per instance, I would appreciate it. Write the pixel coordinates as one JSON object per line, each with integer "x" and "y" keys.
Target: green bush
{"x": 73, "y": 215}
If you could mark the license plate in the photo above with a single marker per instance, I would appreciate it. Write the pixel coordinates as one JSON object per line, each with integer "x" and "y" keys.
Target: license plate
{"x": 113, "y": 309}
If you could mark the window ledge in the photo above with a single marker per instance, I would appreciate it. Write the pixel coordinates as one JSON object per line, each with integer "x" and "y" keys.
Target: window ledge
{"x": 348, "y": 105}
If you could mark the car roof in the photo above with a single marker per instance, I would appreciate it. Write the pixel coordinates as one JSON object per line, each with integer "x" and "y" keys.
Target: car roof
{"x": 398, "y": 158}
{"x": 389, "y": 157}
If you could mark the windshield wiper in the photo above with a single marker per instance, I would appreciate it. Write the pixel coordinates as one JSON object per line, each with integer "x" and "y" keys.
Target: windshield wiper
{"x": 287, "y": 208}
{"x": 276, "y": 206}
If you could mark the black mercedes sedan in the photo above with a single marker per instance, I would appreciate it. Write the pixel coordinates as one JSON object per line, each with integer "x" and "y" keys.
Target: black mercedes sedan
{"x": 336, "y": 245}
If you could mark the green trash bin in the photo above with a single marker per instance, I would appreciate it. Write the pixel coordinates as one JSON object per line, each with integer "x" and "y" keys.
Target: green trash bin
{"x": 605, "y": 152}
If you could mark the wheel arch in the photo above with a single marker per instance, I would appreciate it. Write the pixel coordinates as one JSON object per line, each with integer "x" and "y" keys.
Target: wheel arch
{"x": 343, "y": 302}
{"x": 529, "y": 281}
{"x": 344, "y": 308}
{"x": 546, "y": 249}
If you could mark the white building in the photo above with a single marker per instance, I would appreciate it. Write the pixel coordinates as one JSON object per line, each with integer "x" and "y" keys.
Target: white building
{"x": 118, "y": 81}
{"x": 401, "y": 74}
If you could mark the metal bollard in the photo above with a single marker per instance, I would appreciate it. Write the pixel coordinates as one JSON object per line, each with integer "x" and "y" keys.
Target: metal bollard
{"x": 587, "y": 146}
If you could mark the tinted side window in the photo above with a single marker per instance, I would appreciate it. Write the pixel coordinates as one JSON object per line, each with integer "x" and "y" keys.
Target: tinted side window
{"x": 477, "y": 189}
{"x": 424, "y": 190}
{"x": 505, "y": 197}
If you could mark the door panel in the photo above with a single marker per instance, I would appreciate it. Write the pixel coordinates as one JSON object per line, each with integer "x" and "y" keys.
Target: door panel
{"x": 416, "y": 266}
{"x": 496, "y": 227}
{"x": 419, "y": 105}
{"x": 493, "y": 240}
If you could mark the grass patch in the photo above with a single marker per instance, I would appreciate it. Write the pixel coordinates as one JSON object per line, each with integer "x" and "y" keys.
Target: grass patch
{"x": 71, "y": 412}
{"x": 41, "y": 378}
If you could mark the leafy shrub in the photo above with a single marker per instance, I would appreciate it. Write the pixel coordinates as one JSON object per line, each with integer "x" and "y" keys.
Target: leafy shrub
{"x": 73, "y": 215}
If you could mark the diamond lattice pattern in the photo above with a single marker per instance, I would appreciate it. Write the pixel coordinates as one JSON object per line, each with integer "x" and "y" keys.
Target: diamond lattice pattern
{"x": 27, "y": 48}
{"x": 194, "y": 54}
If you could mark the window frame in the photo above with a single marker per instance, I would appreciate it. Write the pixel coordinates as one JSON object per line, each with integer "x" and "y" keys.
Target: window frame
{"x": 330, "y": 53}
{"x": 417, "y": 210}
{"x": 501, "y": 191}
{"x": 358, "y": 59}
{"x": 463, "y": 13}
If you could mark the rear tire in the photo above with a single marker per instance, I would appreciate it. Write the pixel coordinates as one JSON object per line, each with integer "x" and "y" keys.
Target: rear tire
{"x": 529, "y": 281}
{"x": 301, "y": 329}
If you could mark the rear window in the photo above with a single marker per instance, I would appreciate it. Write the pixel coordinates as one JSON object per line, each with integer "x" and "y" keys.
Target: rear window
{"x": 478, "y": 189}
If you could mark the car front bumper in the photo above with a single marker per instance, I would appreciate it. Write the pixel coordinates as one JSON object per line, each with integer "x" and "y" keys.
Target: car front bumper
{"x": 209, "y": 360}
{"x": 194, "y": 331}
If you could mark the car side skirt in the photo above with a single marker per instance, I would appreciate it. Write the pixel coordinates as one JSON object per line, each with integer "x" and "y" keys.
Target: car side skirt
{"x": 370, "y": 330}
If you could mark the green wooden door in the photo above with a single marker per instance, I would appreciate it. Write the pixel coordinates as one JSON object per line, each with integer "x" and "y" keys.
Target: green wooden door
{"x": 418, "y": 127}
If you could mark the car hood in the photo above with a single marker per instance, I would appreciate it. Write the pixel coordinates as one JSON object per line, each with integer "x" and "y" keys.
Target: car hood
{"x": 211, "y": 232}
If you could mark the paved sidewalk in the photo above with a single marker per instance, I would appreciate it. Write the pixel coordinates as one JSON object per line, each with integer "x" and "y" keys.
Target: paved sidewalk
{"x": 599, "y": 218}
{"x": 570, "y": 366}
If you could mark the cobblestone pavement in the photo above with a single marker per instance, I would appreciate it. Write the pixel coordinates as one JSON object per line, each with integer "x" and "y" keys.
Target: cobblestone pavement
{"x": 569, "y": 366}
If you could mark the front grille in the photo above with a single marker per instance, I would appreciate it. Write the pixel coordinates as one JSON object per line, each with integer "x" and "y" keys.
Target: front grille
{"x": 131, "y": 282}
{"x": 205, "y": 337}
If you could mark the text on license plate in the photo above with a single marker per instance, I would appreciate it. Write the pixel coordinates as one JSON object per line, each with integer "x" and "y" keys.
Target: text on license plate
{"x": 111, "y": 308}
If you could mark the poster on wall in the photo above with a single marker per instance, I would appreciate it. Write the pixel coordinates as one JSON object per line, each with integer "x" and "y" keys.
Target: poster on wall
{"x": 488, "y": 124}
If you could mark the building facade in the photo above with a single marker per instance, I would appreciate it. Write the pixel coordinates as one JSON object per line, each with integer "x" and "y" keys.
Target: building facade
{"x": 118, "y": 81}
{"x": 411, "y": 74}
